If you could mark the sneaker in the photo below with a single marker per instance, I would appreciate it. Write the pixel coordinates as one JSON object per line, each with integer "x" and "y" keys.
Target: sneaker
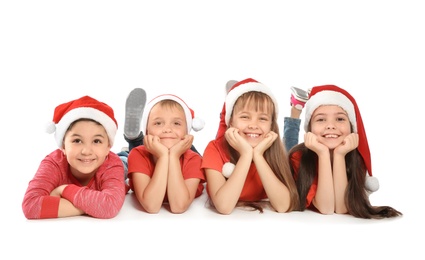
{"x": 134, "y": 106}
{"x": 298, "y": 97}
{"x": 230, "y": 84}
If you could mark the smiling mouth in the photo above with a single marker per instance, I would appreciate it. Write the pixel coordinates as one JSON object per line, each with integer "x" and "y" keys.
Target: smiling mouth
{"x": 253, "y": 135}
{"x": 86, "y": 160}
{"x": 330, "y": 136}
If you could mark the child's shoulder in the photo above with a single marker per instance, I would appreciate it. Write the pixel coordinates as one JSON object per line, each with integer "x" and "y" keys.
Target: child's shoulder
{"x": 139, "y": 152}
{"x": 113, "y": 156}
{"x": 112, "y": 160}
{"x": 56, "y": 156}
{"x": 190, "y": 154}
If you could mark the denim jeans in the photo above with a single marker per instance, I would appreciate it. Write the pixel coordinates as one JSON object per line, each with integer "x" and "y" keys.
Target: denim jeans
{"x": 124, "y": 158}
{"x": 291, "y": 130}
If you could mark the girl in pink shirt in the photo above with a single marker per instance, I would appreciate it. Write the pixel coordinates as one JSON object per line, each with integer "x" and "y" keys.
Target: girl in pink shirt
{"x": 81, "y": 177}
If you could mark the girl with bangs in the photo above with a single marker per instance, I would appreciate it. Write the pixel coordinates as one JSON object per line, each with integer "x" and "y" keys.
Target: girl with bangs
{"x": 333, "y": 167}
{"x": 246, "y": 164}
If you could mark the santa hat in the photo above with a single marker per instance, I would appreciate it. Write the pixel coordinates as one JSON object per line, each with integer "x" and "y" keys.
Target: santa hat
{"x": 240, "y": 88}
{"x": 237, "y": 90}
{"x": 333, "y": 95}
{"x": 193, "y": 122}
{"x": 84, "y": 107}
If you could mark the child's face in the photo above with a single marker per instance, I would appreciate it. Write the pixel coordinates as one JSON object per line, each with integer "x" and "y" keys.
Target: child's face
{"x": 330, "y": 124}
{"x": 86, "y": 146}
{"x": 168, "y": 123}
{"x": 253, "y": 125}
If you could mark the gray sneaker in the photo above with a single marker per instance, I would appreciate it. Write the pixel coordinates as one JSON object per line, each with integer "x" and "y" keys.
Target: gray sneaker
{"x": 298, "y": 97}
{"x": 134, "y": 106}
{"x": 300, "y": 94}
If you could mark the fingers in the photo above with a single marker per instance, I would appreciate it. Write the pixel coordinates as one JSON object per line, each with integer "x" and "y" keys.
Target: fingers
{"x": 351, "y": 141}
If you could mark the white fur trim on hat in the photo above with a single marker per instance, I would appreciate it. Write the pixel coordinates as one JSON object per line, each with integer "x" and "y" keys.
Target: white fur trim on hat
{"x": 238, "y": 91}
{"x": 228, "y": 169}
{"x": 328, "y": 97}
{"x": 78, "y": 113}
{"x": 195, "y": 123}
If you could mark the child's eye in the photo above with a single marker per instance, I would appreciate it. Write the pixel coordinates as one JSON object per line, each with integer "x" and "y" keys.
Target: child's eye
{"x": 340, "y": 119}
{"x": 97, "y": 141}
{"x": 77, "y": 141}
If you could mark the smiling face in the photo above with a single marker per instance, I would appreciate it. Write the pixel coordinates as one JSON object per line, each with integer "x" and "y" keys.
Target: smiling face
{"x": 331, "y": 125}
{"x": 85, "y": 146}
{"x": 253, "y": 115}
{"x": 167, "y": 120}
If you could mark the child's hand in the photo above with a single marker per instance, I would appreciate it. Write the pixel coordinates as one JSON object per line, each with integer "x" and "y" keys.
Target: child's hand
{"x": 237, "y": 141}
{"x": 311, "y": 142}
{"x": 154, "y": 146}
{"x": 268, "y": 140}
{"x": 182, "y": 146}
{"x": 350, "y": 143}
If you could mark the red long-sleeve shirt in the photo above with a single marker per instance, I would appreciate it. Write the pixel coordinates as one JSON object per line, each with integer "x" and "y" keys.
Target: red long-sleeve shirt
{"x": 103, "y": 197}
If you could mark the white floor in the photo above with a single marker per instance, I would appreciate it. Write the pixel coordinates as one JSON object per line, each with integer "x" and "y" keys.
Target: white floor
{"x": 55, "y": 51}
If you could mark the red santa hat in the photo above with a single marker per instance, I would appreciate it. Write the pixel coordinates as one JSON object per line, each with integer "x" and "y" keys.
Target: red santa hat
{"x": 237, "y": 90}
{"x": 193, "y": 122}
{"x": 84, "y": 107}
{"x": 333, "y": 95}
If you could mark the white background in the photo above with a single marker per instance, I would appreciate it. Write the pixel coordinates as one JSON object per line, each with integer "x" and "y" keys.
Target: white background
{"x": 55, "y": 51}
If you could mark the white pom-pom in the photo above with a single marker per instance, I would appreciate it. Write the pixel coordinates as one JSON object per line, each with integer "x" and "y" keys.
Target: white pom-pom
{"x": 228, "y": 169}
{"x": 371, "y": 183}
{"x": 50, "y": 127}
{"x": 198, "y": 124}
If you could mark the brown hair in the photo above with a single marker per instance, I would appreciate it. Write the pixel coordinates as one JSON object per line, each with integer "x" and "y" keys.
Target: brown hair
{"x": 356, "y": 197}
{"x": 276, "y": 155}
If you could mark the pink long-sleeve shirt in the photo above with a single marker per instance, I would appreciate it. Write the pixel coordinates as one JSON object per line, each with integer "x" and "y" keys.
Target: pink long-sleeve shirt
{"x": 103, "y": 197}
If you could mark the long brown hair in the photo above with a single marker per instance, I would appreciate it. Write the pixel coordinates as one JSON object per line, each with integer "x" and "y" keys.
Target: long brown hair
{"x": 276, "y": 155}
{"x": 356, "y": 197}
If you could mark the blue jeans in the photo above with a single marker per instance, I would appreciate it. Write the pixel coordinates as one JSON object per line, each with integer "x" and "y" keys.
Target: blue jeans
{"x": 124, "y": 154}
{"x": 124, "y": 158}
{"x": 291, "y": 130}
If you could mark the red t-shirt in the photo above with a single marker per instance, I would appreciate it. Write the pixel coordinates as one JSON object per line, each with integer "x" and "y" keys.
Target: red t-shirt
{"x": 295, "y": 159}
{"x": 140, "y": 160}
{"x": 215, "y": 157}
